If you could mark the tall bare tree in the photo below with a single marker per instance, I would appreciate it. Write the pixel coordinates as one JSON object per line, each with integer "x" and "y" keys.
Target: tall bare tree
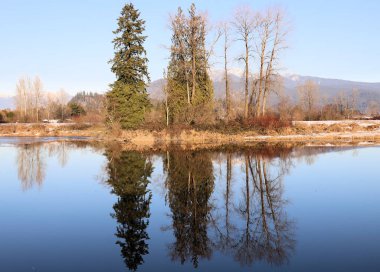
{"x": 225, "y": 30}
{"x": 63, "y": 98}
{"x": 264, "y": 32}
{"x": 353, "y": 102}
{"x": 28, "y": 98}
{"x": 37, "y": 96}
{"x": 21, "y": 98}
{"x": 279, "y": 31}
{"x": 50, "y": 103}
{"x": 245, "y": 24}
{"x": 308, "y": 97}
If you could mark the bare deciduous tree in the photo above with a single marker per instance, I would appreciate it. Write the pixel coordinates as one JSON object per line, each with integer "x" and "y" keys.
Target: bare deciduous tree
{"x": 37, "y": 96}
{"x": 308, "y": 97}
{"x": 264, "y": 33}
{"x": 373, "y": 108}
{"x": 63, "y": 98}
{"x": 245, "y": 24}
{"x": 279, "y": 32}
{"x": 28, "y": 98}
{"x": 225, "y": 31}
{"x": 50, "y": 103}
{"x": 21, "y": 98}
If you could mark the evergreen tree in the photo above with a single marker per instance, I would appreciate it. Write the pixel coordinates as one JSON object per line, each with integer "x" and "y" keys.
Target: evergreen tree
{"x": 76, "y": 110}
{"x": 202, "y": 89}
{"x": 128, "y": 101}
{"x": 179, "y": 70}
{"x": 189, "y": 85}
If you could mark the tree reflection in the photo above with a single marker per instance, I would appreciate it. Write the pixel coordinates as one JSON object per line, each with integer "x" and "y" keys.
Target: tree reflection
{"x": 259, "y": 229}
{"x": 60, "y": 151}
{"x": 31, "y": 165}
{"x": 268, "y": 234}
{"x": 244, "y": 217}
{"x": 128, "y": 174}
{"x": 227, "y": 240}
{"x": 31, "y": 159}
{"x": 190, "y": 182}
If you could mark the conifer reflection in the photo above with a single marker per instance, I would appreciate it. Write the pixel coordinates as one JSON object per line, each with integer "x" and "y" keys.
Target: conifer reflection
{"x": 128, "y": 174}
{"x": 190, "y": 183}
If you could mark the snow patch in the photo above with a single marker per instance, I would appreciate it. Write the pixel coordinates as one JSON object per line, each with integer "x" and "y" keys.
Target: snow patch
{"x": 218, "y": 74}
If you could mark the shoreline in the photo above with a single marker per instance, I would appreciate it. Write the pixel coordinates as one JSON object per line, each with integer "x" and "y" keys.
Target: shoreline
{"x": 338, "y": 133}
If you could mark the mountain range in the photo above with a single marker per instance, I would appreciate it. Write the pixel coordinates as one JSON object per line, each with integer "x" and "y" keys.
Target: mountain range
{"x": 327, "y": 87}
{"x": 6, "y": 102}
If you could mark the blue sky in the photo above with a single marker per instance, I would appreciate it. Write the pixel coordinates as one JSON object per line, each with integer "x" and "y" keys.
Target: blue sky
{"x": 68, "y": 43}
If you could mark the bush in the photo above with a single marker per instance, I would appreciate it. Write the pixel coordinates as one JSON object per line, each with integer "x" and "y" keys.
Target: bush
{"x": 80, "y": 126}
{"x": 267, "y": 122}
{"x": 76, "y": 110}
{"x": 6, "y": 116}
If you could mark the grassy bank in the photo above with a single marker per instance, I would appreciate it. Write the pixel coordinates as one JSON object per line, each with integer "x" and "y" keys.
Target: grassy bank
{"x": 344, "y": 131}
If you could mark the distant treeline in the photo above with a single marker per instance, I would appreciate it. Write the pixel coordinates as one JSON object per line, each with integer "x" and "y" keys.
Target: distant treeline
{"x": 33, "y": 104}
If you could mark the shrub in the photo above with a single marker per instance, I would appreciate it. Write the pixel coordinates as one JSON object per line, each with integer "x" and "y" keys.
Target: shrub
{"x": 267, "y": 122}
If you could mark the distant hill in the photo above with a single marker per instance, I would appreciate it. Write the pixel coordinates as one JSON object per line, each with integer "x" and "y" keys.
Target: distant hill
{"x": 7, "y": 102}
{"x": 332, "y": 87}
{"x": 155, "y": 90}
{"x": 328, "y": 87}
{"x": 91, "y": 102}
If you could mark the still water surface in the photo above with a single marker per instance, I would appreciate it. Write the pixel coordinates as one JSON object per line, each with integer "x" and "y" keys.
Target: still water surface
{"x": 69, "y": 206}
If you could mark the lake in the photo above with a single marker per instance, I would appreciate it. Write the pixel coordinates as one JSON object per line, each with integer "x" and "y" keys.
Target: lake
{"x": 74, "y": 206}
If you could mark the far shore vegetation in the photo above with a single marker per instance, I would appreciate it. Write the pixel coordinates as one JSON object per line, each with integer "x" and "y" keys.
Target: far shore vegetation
{"x": 188, "y": 101}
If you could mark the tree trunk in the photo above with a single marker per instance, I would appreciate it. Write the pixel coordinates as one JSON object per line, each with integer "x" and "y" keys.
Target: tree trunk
{"x": 228, "y": 98}
{"x": 246, "y": 77}
{"x": 228, "y": 185}
{"x": 187, "y": 88}
{"x": 166, "y": 106}
{"x": 260, "y": 91}
{"x": 193, "y": 72}
{"x": 247, "y": 191}
{"x": 266, "y": 91}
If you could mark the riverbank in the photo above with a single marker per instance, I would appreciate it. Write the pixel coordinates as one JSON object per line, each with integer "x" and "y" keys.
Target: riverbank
{"x": 319, "y": 131}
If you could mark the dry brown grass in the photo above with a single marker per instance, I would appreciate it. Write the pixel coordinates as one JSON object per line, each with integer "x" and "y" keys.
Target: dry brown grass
{"x": 335, "y": 128}
{"x": 182, "y": 135}
{"x": 41, "y": 130}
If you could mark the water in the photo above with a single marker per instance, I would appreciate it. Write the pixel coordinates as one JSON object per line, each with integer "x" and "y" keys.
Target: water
{"x": 70, "y": 206}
